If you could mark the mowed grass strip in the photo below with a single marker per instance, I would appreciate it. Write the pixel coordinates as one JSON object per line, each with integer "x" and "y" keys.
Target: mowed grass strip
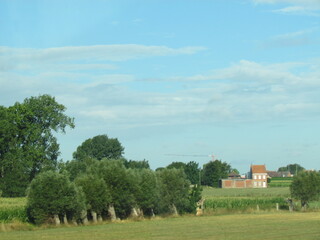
{"x": 244, "y": 226}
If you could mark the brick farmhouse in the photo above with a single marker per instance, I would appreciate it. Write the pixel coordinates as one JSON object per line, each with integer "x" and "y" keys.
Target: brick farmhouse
{"x": 257, "y": 178}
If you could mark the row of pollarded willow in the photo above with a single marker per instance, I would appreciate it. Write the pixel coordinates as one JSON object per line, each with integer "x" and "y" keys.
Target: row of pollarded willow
{"x": 107, "y": 190}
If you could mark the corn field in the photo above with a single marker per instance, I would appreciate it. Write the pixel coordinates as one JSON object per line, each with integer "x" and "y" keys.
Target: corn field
{"x": 12, "y": 209}
{"x": 243, "y": 204}
{"x": 280, "y": 182}
{"x": 213, "y": 193}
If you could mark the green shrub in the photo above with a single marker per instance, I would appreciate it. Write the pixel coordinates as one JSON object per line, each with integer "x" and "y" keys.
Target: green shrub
{"x": 174, "y": 190}
{"x": 50, "y": 194}
{"x": 96, "y": 192}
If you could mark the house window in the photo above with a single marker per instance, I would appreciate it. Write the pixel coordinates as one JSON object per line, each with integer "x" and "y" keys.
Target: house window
{"x": 254, "y": 177}
{"x": 254, "y": 184}
{"x": 259, "y": 176}
{"x": 264, "y": 177}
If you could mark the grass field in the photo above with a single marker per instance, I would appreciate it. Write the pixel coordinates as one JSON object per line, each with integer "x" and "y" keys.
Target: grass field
{"x": 244, "y": 226}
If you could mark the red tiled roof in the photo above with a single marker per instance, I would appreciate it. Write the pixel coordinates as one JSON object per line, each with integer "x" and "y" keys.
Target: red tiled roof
{"x": 258, "y": 169}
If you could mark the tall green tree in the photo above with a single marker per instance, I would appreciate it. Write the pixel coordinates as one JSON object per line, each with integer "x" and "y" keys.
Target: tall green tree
{"x": 174, "y": 190}
{"x": 144, "y": 164}
{"x": 306, "y": 187}
{"x": 77, "y": 168}
{"x": 292, "y": 168}
{"x": 96, "y": 193}
{"x": 176, "y": 165}
{"x": 195, "y": 195}
{"x": 28, "y": 144}
{"x": 146, "y": 191}
{"x": 99, "y": 147}
{"x": 119, "y": 184}
{"x": 192, "y": 171}
{"x": 214, "y": 171}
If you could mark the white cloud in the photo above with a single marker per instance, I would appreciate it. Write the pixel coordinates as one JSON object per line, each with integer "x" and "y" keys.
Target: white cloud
{"x": 300, "y": 7}
{"x": 89, "y": 53}
{"x": 298, "y": 2}
{"x": 246, "y": 71}
{"x": 292, "y": 107}
{"x": 299, "y": 10}
{"x": 292, "y": 39}
{"x": 251, "y": 91}
{"x": 244, "y": 91}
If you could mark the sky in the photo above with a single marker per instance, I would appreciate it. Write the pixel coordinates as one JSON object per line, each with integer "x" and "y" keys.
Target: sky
{"x": 176, "y": 80}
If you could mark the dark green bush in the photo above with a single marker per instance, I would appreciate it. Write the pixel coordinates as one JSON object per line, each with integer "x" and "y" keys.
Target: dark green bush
{"x": 50, "y": 194}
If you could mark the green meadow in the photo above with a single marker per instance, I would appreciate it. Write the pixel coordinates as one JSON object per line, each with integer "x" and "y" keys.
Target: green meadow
{"x": 282, "y": 225}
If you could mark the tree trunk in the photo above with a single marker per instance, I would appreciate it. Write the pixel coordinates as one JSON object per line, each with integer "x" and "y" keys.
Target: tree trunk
{"x": 152, "y": 213}
{"x": 56, "y": 219}
{"x": 84, "y": 217}
{"x": 65, "y": 220}
{"x": 100, "y": 218}
{"x": 290, "y": 203}
{"x": 74, "y": 222}
{"x": 112, "y": 213}
{"x": 134, "y": 213}
{"x": 140, "y": 212}
{"x": 199, "y": 211}
{"x": 174, "y": 210}
{"x": 94, "y": 216}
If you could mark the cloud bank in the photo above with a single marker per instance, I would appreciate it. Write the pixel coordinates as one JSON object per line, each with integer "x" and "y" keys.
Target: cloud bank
{"x": 245, "y": 91}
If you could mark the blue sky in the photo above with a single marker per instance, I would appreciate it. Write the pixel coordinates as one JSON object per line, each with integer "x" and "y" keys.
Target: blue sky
{"x": 238, "y": 79}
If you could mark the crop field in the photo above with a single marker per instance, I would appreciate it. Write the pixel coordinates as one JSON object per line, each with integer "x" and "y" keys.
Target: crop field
{"x": 222, "y": 200}
{"x": 12, "y": 209}
{"x": 209, "y": 192}
{"x": 241, "y": 226}
{"x": 244, "y": 204}
{"x": 280, "y": 182}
